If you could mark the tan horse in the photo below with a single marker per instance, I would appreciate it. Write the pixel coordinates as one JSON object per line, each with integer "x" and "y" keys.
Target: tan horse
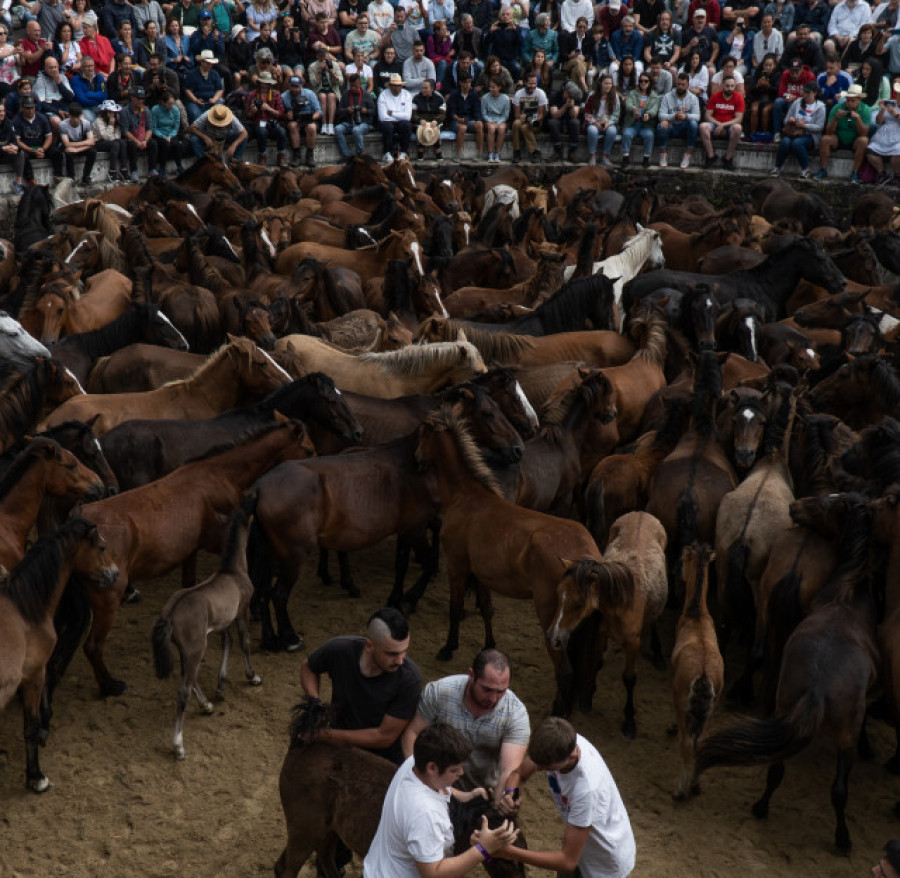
{"x": 413, "y": 369}
{"x": 238, "y": 373}
{"x": 628, "y": 590}
{"x": 699, "y": 672}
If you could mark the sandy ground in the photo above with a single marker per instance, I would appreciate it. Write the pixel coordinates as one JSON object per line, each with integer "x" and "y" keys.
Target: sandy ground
{"x": 122, "y": 806}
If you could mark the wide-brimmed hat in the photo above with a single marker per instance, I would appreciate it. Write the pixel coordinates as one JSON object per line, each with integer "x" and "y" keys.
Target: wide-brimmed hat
{"x": 208, "y": 55}
{"x": 220, "y": 116}
{"x": 855, "y": 91}
{"x": 238, "y": 28}
{"x": 396, "y": 79}
{"x": 112, "y": 106}
{"x": 428, "y": 133}
{"x": 266, "y": 76}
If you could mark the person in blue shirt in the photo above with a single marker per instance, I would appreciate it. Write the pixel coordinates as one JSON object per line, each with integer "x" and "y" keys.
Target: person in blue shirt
{"x": 303, "y": 111}
{"x": 89, "y": 88}
{"x": 464, "y": 114}
{"x": 203, "y": 86}
{"x": 628, "y": 40}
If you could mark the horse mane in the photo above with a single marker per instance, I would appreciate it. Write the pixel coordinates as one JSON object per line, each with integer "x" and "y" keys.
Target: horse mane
{"x": 336, "y": 298}
{"x": 124, "y": 330}
{"x": 22, "y": 398}
{"x": 520, "y": 225}
{"x": 386, "y": 209}
{"x": 487, "y": 228}
{"x": 249, "y": 435}
{"x": 612, "y": 580}
{"x": 707, "y": 391}
{"x": 343, "y": 178}
{"x": 233, "y": 544}
{"x": 779, "y": 420}
{"x": 575, "y": 301}
{"x": 648, "y": 329}
{"x": 557, "y": 407}
{"x": 445, "y": 419}
{"x": 23, "y": 462}
{"x": 137, "y": 248}
{"x": 212, "y": 361}
{"x": 500, "y": 346}
{"x": 33, "y": 581}
{"x": 702, "y": 552}
{"x": 308, "y": 719}
{"x": 411, "y": 360}
{"x": 103, "y": 219}
{"x": 397, "y": 291}
{"x": 884, "y": 381}
{"x": 202, "y": 273}
{"x": 584, "y": 260}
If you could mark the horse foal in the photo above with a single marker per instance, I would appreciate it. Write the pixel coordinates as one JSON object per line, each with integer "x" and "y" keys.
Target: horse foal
{"x": 697, "y": 665}
{"x": 192, "y": 613}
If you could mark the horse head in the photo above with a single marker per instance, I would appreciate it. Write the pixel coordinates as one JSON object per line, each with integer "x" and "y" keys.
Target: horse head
{"x": 66, "y": 476}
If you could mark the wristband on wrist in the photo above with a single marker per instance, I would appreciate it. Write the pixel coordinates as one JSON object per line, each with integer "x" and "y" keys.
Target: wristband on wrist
{"x": 512, "y": 791}
{"x": 487, "y": 857}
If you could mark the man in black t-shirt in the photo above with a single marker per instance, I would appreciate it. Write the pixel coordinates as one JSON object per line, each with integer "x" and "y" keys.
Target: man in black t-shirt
{"x": 375, "y": 688}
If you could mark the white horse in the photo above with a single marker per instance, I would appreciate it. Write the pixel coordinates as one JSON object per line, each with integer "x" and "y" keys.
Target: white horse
{"x": 502, "y": 194}
{"x": 643, "y": 251}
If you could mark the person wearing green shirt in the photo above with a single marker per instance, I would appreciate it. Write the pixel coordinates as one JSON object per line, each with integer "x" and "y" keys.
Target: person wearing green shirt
{"x": 847, "y": 128}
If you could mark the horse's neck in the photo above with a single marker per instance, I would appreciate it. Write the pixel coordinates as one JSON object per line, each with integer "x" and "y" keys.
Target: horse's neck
{"x": 455, "y": 481}
{"x": 19, "y": 508}
{"x": 218, "y": 385}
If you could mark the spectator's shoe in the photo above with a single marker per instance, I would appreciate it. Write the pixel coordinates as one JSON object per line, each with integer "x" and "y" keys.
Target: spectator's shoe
{"x": 624, "y": 159}
{"x": 387, "y": 158}
{"x": 663, "y": 159}
{"x": 805, "y": 173}
{"x": 728, "y": 164}
{"x": 517, "y": 156}
{"x": 536, "y": 156}
{"x": 153, "y": 172}
{"x": 882, "y": 178}
{"x": 775, "y": 172}
{"x": 310, "y": 158}
{"x": 133, "y": 176}
{"x": 854, "y": 178}
{"x": 592, "y": 160}
{"x": 18, "y": 188}
{"x": 420, "y": 154}
{"x": 557, "y": 154}
{"x": 685, "y": 162}
{"x": 646, "y": 162}
{"x": 113, "y": 176}
{"x": 297, "y": 158}
{"x": 439, "y": 155}
{"x": 777, "y": 138}
{"x": 85, "y": 182}
{"x": 571, "y": 157}
{"x": 710, "y": 161}
{"x": 821, "y": 174}
{"x": 606, "y": 161}
{"x": 282, "y": 160}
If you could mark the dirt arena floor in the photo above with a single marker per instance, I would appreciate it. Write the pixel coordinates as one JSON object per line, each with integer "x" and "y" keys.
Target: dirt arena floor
{"x": 122, "y": 806}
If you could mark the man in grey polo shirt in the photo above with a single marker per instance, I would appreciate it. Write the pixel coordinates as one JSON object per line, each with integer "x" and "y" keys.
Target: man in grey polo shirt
{"x": 481, "y": 706}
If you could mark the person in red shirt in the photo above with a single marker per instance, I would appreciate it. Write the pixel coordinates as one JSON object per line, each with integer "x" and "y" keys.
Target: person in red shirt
{"x": 97, "y": 46}
{"x": 724, "y": 115}
{"x": 713, "y": 11}
{"x": 33, "y": 49}
{"x": 790, "y": 88}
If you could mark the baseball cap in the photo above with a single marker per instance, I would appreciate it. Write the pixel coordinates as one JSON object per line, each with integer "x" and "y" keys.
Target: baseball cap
{"x": 796, "y": 64}
{"x": 699, "y": 13}
{"x": 205, "y": 14}
{"x": 295, "y": 80}
{"x": 27, "y": 101}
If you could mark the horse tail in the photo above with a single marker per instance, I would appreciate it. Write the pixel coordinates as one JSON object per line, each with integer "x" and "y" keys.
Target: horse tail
{"x": 162, "y": 654}
{"x": 738, "y": 595}
{"x": 686, "y": 515}
{"x": 308, "y": 719}
{"x": 783, "y": 613}
{"x": 615, "y": 585}
{"x": 764, "y": 741}
{"x": 595, "y": 512}
{"x": 259, "y": 558}
{"x": 700, "y": 703}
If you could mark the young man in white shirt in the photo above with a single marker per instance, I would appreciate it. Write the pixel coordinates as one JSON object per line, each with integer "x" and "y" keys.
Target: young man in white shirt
{"x": 394, "y": 115}
{"x": 415, "y": 835}
{"x": 598, "y": 841}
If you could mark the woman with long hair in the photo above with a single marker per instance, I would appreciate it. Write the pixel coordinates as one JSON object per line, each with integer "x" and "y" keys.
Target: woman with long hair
{"x": 875, "y": 84}
{"x": 66, "y": 49}
{"x": 641, "y": 110}
{"x": 124, "y": 41}
{"x": 699, "y": 76}
{"x": 885, "y": 142}
{"x": 540, "y": 68}
{"x": 626, "y": 77}
{"x": 601, "y": 116}
{"x": 494, "y": 69}
{"x": 76, "y": 15}
{"x": 178, "y": 55}
{"x": 761, "y": 92}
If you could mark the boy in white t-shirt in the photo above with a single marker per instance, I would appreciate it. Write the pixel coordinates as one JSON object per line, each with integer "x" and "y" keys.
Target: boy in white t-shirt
{"x": 415, "y": 835}
{"x": 598, "y": 841}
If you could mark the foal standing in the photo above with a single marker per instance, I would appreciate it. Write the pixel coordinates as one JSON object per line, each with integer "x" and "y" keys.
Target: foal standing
{"x": 192, "y": 613}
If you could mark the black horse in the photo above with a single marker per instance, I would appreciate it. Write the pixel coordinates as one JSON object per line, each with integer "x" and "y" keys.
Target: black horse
{"x": 33, "y": 217}
{"x": 770, "y": 283}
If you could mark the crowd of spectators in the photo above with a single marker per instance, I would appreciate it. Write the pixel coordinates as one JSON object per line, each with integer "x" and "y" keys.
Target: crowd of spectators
{"x": 171, "y": 79}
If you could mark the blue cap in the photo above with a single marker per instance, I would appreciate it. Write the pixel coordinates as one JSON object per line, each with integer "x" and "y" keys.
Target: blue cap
{"x": 295, "y": 80}
{"x": 205, "y": 14}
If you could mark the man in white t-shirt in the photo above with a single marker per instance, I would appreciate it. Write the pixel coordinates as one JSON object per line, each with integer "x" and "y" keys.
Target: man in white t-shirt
{"x": 415, "y": 835}
{"x": 598, "y": 841}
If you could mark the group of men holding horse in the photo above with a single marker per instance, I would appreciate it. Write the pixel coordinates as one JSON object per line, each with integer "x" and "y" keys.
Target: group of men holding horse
{"x": 465, "y": 737}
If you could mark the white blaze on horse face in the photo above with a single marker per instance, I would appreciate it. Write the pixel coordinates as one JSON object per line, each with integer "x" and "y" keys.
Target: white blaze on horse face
{"x": 529, "y": 409}
{"x": 267, "y": 241}
{"x": 279, "y": 368}
{"x": 810, "y": 353}
{"x": 364, "y": 233}
{"x": 466, "y": 230}
{"x": 77, "y": 382}
{"x": 414, "y": 246}
{"x": 554, "y": 631}
{"x": 118, "y": 209}
{"x": 748, "y": 415}
{"x": 162, "y": 317}
{"x": 887, "y": 323}
{"x": 78, "y": 246}
{"x": 193, "y": 210}
{"x": 750, "y": 323}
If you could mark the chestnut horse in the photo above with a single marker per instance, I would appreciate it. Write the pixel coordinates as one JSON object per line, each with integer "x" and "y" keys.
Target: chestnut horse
{"x": 28, "y": 599}
{"x": 238, "y": 371}
{"x": 155, "y": 528}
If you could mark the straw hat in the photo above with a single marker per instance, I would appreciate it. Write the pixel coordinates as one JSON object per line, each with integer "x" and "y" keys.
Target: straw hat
{"x": 208, "y": 55}
{"x": 396, "y": 79}
{"x": 855, "y": 91}
{"x": 220, "y": 116}
{"x": 428, "y": 133}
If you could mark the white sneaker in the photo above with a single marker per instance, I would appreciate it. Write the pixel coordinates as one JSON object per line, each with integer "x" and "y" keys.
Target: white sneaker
{"x": 388, "y": 158}
{"x": 664, "y": 160}
{"x": 685, "y": 162}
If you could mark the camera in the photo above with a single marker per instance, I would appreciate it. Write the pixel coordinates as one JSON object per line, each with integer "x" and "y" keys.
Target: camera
{"x": 357, "y": 117}
{"x": 740, "y": 24}
{"x": 258, "y": 103}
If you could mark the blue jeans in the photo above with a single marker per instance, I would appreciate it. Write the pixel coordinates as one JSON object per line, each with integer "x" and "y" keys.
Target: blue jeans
{"x": 686, "y": 129}
{"x": 632, "y": 131}
{"x": 796, "y": 146}
{"x": 778, "y": 113}
{"x": 358, "y": 131}
{"x": 440, "y": 69}
{"x": 593, "y": 138}
{"x": 264, "y": 132}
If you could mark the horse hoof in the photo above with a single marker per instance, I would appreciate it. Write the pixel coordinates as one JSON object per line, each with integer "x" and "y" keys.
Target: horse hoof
{"x": 294, "y": 645}
{"x": 352, "y": 591}
{"x": 760, "y": 810}
{"x": 629, "y": 730}
{"x": 179, "y": 753}
{"x": 256, "y": 680}
{"x": 113, "y": 689}
{"x": 207, "y": 708}
{"x": 39, "y": 784}
{"x": 444, "y": 654}
{"x": 679, "y": 795}
{"x": 842, "y": 841}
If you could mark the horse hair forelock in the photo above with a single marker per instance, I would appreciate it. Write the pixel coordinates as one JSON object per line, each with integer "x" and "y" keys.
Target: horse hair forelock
{"x": 445, "y": 419}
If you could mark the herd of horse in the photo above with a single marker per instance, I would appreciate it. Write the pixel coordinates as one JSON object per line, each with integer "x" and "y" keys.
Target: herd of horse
{"x": 573, "y": 395}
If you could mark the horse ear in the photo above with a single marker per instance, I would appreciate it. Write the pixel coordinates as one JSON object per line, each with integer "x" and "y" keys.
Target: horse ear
{"x": 566, "y": 563}
{"x": 92, "y": 421}
{"x": 231, "y": 338}
{"x": 461, "y": 335}
{"x": 639, "y": 227}
{"x": 280, "y": 418}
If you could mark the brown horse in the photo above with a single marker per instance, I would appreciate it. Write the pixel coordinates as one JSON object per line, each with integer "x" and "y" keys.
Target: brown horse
{"x": 829, "y": 664}
{"x": 699, "y": 672}
{"x": 354, "y": 500}
{"x": 684, "y": 250}
{"x": 140, "y": 367}
{"x": 28, "y": 599}
{"x": 239, "y": 371}
{"x": 191, "y": 614}
{"x": 155, "y": 528}
{"x": 860, "y": 392}
{"x": 28, "y": 396}
{"x": 43, "y": 468}
{"x": 627, "y": 592}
